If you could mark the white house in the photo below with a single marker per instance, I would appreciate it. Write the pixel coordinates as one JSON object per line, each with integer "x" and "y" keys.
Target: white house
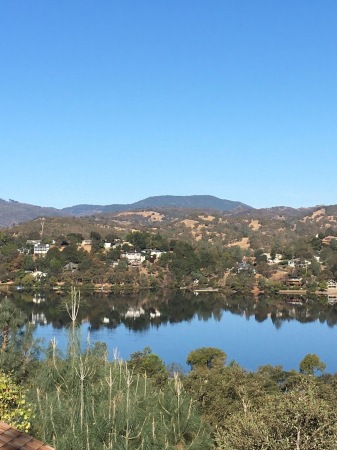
{"x": 156, "y": 253}
{"x": 332, "y": 284}
{"x": 134, "y": 258}
{"x": 41, "y": 249}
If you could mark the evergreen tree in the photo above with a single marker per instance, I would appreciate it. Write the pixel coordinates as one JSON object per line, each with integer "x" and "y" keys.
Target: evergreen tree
{"x": 85, "y": 402}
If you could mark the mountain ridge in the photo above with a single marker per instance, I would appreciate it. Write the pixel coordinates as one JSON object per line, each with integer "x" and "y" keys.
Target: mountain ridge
{"x": 13, "y": 212}
{"x": 161, "y": 201}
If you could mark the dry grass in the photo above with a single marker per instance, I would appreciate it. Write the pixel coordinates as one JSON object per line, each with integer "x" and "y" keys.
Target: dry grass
{"x": 190, "y": 223}
{"x": 254, "y": 225}
{"x": 153, "y": 216}
{"x": 244, "y": 243}
{"x": 207, "y": 218}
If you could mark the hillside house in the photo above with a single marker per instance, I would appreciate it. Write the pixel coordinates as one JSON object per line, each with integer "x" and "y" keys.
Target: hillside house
{"x": 327, "y": 240}
{"x": 37, "y": 274}
{"x": 156, "y": 253}
{"x": 41, "y": 249}
{"x": 86, "y": 242}
{"x": 133, "y": 258}
{"x": 70, "y": 267}
{"x": 294, "y": 281}
{"x": 276, "y": 260}
{"x": 33, "y": 241}
{"x": 332, "y": 284}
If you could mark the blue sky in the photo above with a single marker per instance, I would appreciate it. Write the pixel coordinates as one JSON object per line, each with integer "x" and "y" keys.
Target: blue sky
{"x": 113, "y": 101}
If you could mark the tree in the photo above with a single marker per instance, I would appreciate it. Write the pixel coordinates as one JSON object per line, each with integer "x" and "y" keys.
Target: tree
{"x": 299, "y": 419}
{"x": 138, "y": 239}
{"x": 14, "y": 408}
{"x": 148, "y": 363}
{"x": 127, "y": 410}
{"x": 17, "y": 346}
{"x": 184, "y": 260}
{"x": 28, "y": 263}
{"x": 206, "y": 357}
{"x": 311, "y": 364}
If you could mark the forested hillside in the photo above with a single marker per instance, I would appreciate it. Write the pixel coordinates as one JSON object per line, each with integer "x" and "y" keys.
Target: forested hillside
{"x": 254, "y": 250}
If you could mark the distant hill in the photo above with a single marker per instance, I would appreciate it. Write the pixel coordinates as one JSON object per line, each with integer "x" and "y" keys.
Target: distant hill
{"x": 207, "y": 202}
{"x": 13, "y": 212}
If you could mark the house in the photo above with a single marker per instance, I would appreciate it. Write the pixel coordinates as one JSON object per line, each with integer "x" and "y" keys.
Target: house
{"x": 332, "y": 284}
{"x": 327, "y": 240}
{"x": 276, "y": 260}
{"x": 37, "y": 274}
{"x": 70, "y": 267}
{"x": 298, "y": 262}
{"x": 41, "y": 249}
{"x": 294, "y": 281}
{"x": 33, "y": 241}
{"x": 156, "y": 253}
{"x": 86, "y": 242}
{"x": 24, "y": 251}
{"x": 134, "y": 258}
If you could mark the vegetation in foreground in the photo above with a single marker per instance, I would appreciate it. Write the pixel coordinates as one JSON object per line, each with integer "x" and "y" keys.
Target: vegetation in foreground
{"x": 81, "y": 400}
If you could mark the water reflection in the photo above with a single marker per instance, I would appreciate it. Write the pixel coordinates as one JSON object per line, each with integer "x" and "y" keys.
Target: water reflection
{"x": 140, "y": 312}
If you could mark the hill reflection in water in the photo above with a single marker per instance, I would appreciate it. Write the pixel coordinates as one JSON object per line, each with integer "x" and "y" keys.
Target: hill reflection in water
{"x": 253, "y": 331}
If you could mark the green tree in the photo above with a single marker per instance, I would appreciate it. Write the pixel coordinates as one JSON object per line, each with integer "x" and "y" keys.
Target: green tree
{"x": 299, "y": 419}
{"x": 138, "y": 239}
{"x": 28, "y": 263}
{"x": 311, "y": 364}
{"x": 148, "y": 363}
{"x": 17, "y": 346}
{"x": 206, "y": 357}
{"x": 14, "y": 408}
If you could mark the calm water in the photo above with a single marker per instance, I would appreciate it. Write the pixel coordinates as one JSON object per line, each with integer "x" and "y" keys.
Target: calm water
{"x": 253, "y": 333}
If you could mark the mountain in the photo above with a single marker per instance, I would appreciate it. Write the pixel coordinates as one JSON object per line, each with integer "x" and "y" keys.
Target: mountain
{"x": 207, "y": 202}
{"x": 12, "y": 212}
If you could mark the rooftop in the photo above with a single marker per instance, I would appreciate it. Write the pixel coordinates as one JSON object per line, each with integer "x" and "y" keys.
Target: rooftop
{"x": 12, "y": 439}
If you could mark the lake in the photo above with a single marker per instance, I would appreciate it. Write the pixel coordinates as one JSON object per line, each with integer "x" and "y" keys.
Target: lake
{"x": 253, "y": 332}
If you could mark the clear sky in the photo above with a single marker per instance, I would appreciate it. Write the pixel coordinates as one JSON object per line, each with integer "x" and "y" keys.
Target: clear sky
{"x": 113, "y": 101}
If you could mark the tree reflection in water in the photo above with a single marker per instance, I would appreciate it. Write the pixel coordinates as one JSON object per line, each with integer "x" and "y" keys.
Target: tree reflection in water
{"x": 140, "y": 312}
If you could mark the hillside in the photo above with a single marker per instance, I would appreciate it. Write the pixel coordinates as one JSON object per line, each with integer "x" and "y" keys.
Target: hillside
{"x": 13, "y": 212}
{"x": 174, "y": 247}
{"x": 259, "y": 228}
{"x": 163, "y": 201}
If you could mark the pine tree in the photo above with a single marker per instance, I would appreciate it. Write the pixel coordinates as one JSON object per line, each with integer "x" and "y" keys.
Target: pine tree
{"x": 83, "y": 401}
